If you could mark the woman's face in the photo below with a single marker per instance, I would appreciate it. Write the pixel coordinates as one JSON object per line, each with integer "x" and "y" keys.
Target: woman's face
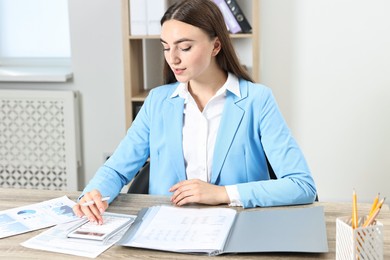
{"x": 188, "y": 50}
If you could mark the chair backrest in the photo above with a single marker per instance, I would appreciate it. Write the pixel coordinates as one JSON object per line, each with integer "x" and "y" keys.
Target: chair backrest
{"x": 271, "y": 172}
{"x": 140, "y": 183}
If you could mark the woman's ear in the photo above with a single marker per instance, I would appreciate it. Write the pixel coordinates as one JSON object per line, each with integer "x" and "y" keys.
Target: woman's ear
{"x": 217, "y": 46}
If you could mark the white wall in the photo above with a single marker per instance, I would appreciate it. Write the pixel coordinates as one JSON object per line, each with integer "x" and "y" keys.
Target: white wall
{"x": 97, "y": 57}
{"x": 329, "y": 65}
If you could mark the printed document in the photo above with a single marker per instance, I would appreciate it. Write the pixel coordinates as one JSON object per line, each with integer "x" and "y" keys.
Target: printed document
{"x": 36, "y": 216}
{"x": 184, "y": 229}
{"x": 56, "y": 239}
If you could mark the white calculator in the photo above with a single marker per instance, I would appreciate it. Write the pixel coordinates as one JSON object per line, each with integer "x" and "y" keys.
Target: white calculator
{"x": 112, "y": 223}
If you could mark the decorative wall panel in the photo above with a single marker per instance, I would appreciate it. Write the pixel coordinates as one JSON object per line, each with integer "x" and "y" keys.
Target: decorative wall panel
{"x": 39, "y": 144}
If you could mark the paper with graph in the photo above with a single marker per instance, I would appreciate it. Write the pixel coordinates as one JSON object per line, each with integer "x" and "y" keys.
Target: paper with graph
{"x": 36, "y": 216}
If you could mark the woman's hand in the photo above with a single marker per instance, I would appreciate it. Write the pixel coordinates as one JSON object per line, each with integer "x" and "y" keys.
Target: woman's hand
{"x": 197, "y": 191}
{"x": 92, "y": 212}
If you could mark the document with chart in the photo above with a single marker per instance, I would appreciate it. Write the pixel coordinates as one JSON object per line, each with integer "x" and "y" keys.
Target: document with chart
{"x": 36, "y": 216}
{"x": 216, "y": 230}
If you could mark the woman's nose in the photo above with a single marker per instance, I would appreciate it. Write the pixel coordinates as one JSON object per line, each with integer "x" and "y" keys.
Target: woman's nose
{"x": 174, "y": 58}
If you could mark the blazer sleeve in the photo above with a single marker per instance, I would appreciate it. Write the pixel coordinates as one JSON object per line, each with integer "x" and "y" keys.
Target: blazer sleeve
{"x": 294, "y": 184}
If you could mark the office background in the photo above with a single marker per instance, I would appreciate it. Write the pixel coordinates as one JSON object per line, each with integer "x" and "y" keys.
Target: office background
{"x": 328, "y": 63}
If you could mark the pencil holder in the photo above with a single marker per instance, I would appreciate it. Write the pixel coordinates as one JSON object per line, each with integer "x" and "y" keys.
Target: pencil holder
{"x": 359, "y": 243}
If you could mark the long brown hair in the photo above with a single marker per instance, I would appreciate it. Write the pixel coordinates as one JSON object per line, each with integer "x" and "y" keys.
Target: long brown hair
{"x": 206, "y": 15}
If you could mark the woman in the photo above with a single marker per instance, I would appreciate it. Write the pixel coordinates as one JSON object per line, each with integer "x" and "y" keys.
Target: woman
{"x": 209, "y": 131}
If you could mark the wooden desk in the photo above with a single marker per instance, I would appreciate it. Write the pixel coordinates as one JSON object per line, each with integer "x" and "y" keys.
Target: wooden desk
{"x": 10, "y": 247}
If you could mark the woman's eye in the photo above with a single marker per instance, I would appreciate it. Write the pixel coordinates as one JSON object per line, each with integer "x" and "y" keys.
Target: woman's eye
{"x": 165, "y": 47}
{"x": 186, "y": 49}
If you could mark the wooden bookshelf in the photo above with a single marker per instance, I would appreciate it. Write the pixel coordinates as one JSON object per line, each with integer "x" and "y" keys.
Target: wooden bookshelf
{"x": 247, "y": 47}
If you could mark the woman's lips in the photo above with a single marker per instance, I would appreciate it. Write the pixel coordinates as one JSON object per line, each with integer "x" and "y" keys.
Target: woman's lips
{"x": 178, "y": 71}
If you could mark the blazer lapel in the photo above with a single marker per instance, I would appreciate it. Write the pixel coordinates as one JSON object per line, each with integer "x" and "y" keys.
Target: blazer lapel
{"x": 230, "y": 121}
{"x": 173, "y": 122}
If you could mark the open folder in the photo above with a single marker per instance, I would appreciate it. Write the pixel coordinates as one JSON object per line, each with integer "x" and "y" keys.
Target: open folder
{"x": 215, "y": 231}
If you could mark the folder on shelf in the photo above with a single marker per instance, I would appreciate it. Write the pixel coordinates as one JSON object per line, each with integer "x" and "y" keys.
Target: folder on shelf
{"x": 153, "y": 62}
{"x": 138, "y": 18}
{"x": 154, "y": 11}
{"x": 216, "y": 230}
{"x": 239, "y": 15}
{"x": 145, "y": 16}
{"x": 228, "y": 16}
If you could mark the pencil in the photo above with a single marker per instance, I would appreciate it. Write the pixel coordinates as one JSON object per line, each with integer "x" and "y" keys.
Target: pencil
{"x": 91, "y": 202}
{"x": 370, "y": 219}
{"x": 374, "y": 204}
{"x": 354, "y": 210}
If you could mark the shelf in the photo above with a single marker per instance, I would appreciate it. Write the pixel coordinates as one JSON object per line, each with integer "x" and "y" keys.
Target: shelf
{"x": 140, "y": 96}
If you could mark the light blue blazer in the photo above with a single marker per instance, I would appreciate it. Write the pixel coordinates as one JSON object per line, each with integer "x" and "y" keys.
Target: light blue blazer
{"x": 251, "y": 128}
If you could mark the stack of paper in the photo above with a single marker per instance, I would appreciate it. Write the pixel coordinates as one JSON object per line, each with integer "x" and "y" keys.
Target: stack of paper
{"x": 57, "y": 239}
